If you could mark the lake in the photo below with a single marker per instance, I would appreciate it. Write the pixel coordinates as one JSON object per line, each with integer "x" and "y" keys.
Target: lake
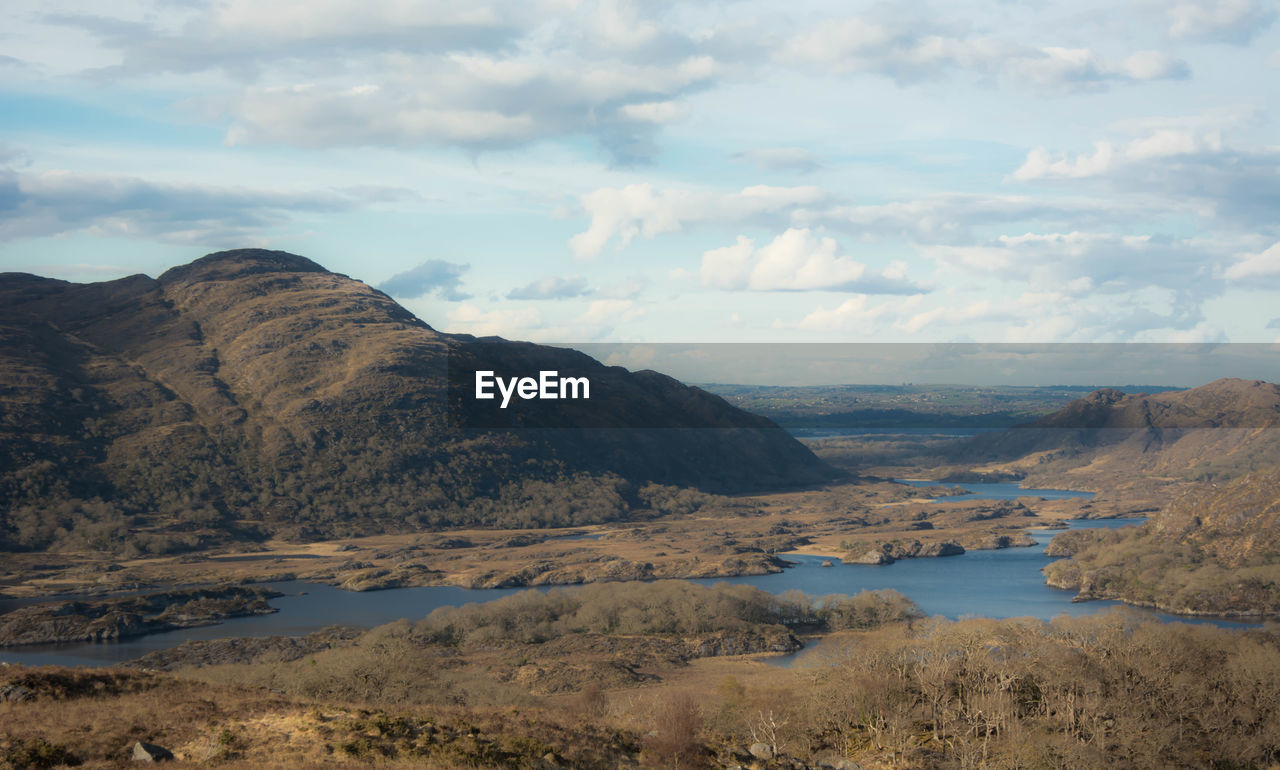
{"x": 999, "y": 584}
{"x": 998, "y": 491}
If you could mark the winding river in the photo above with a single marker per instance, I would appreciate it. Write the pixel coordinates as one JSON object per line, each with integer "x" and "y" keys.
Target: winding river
{"x": 999, "y": 584}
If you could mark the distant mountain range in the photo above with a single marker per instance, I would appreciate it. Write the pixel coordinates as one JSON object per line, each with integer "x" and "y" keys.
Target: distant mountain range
{"x": 254, "y": 393}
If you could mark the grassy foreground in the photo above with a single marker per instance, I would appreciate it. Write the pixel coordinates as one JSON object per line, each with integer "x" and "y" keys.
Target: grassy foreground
{"x": 549, "y": 680}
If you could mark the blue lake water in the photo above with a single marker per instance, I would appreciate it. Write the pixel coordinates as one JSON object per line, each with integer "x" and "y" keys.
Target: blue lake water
{"x": 998, "y": 491}
{"x": 999, "y": 584}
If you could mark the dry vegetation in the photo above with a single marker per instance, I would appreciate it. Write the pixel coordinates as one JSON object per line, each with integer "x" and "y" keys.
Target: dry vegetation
{"x": 711, "y": 536}
{"x": 1103, "y": 690}
{"x": 1213, "y": 551}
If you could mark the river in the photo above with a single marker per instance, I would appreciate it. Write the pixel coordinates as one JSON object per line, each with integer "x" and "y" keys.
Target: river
{"x": 999, "y": 584}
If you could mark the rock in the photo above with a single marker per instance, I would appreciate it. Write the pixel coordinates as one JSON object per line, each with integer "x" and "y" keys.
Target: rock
{"x": 838, "y": 763}
{"x": 948, "y": 548}
{"x": 1020, "y": 540}
{"x": 149, "y": 752}
{"x": 827, "y": 563}
{"x": 14, "y": 693}
{"x": 761, "y": 751}
{"x": 874, "y": 556}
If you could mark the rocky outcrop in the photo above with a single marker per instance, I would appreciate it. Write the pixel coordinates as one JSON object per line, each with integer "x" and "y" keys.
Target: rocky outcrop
{"x": 875, "y": 557}
{"x": 888, "y": 553}
{"x": 946, "y": 548}
{"x": 111, "y": 619}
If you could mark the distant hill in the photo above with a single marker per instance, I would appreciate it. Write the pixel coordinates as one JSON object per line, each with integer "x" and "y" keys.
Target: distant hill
{"x": 253, "y": 392}
{"x": 1221, "y": 430}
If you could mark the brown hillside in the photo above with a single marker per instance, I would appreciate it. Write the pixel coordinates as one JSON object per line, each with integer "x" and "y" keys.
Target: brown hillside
{"x": 1212, "y": 550}
{"x": 1221, "y": 430}
{"x": 253, "y": 392}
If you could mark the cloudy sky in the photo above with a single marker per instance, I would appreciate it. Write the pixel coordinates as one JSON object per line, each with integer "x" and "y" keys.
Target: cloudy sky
{"x": 665, "y": 171}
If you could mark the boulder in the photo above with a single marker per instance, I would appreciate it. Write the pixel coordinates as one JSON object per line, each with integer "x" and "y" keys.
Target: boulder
{"x": 150, "y": 752}
{"x": 13, "y": 693}
{"x": 761, "y": 751}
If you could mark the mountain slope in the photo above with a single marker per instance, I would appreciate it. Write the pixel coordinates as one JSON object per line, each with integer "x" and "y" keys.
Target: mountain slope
{"x": 1209, "y": 460}
{"x": 1216, "y": 431}
{"x": 253, "y": 392}
{"x": 1213, "y": 550}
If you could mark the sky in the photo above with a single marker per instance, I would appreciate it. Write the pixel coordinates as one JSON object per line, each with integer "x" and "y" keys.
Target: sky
{"x": 672, "y": 172}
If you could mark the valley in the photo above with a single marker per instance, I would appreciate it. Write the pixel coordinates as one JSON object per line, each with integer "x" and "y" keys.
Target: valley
{"x": 251, "y": 434}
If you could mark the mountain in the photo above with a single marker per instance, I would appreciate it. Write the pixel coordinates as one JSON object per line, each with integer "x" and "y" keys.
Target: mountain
{"x": 1216, "y": 431}
{"x": 254, "y": 393}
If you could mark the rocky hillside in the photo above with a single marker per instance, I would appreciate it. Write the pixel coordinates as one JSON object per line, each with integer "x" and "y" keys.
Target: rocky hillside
{"x": 254, "y": 393}
{"x": 1217, "y": 431}
{"x": 1214, "y": 550}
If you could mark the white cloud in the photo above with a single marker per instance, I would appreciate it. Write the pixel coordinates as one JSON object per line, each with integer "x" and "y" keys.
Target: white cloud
{"x": 1264, "y": 264}
{"x": 597, "y": 322}
{"x": 1107, "y": 281}
{"x": 855, "y": 314}
{"x": 1168, "y": 143}
{"x": 1041, "y": 165}
{"x": 1189, "y": 164}
{"x": 434, "y": 277}
{"x": 610, "y": 312}
{"x": 1031, "y": 316}
{"x": 551, "y": 287}
{"x": 798, "y": 260}
{"x": 904, "y": 49}
{"x": 954, "y": 217}
{"x": 642, "y": 210}
{"x": 511, "y": 323}
{"x": 911, "y": 49}
{"x": 1228, "y": 21}
{"x": 1153, "y": 65}
{"x": 948, "y": 315}
{"x": 478, "y": 76}
{"x": 59, "y": 202}
{"x": 1161, "y": 143}
{"x": 651, "y": 112}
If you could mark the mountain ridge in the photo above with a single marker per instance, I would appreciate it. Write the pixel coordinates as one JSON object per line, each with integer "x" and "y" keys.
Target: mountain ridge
{"x": 253, "y": 391}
